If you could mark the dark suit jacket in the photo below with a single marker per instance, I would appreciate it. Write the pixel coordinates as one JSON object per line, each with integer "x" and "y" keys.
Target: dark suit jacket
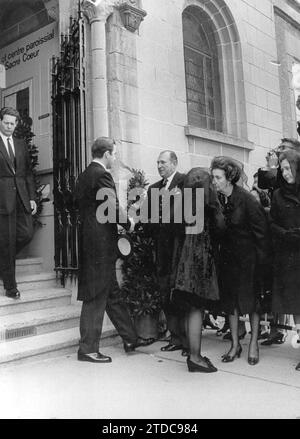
{"x": 98, "y": 242}
{"x": 12, "y": 182}
{"x": 165, "y": 234}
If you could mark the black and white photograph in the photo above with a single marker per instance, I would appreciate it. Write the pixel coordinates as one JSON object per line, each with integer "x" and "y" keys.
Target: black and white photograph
{"x": 149, "y": 212}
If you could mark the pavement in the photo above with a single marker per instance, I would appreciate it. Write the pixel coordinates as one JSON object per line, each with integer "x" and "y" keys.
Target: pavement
{"x": 150, "y": 384}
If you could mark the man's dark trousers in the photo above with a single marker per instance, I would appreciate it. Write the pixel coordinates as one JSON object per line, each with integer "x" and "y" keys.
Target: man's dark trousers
{"x": 92, "y": 314}
{"x": 16, "y": 231}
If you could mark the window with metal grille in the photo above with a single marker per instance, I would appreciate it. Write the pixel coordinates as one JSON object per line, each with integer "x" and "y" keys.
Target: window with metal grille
{"x": 201, "y": 71}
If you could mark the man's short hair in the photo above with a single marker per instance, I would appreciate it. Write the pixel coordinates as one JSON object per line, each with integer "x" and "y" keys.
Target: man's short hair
{"x": 173, "y": 156}
{"x": 292, "y": 141}
{"x": 101, "y": 145}
{"x": 9, "y": 111}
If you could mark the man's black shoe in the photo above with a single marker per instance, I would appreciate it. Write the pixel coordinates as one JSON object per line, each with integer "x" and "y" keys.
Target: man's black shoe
{"x": 144, "y": 342}
{"x": 94, "y": 357}
{"x": 171, "y": 347}
{"x": 13, "y": 293}
{"x": 277, "y": 338}
{"x": 130, "y": 347}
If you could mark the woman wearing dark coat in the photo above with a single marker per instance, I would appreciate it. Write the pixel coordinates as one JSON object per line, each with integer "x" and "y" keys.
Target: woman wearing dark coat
{"x": 285, "y": 227}
{"x": 196, "y": 284}
{"x": 243, "y": 251}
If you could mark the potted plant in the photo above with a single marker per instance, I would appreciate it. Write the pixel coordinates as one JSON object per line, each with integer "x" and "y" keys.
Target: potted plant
{"x": 139, "y": 287}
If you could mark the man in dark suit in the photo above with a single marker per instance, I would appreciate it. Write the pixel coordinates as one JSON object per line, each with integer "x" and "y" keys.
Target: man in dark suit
{"x": 17, "y": 194}
{"x": 98, "y": 288}
{"x": 165, "y": 235}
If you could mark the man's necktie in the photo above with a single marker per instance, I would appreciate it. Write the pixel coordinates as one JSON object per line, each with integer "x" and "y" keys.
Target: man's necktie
{"x": 164, "y": 182}
{"x": 11, "y": 153}
{"x": 163, "y": 190}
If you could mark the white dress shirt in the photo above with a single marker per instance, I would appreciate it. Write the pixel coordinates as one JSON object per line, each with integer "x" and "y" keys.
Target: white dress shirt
{"x": 169, "y": 180}
{"x": 95, "y": 160}
{"x": 4, "y": 138}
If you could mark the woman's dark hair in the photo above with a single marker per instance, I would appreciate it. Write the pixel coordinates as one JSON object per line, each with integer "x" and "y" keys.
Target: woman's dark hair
{"x": 232, "y": 169}
{"x": 200, "y": 178}
{"x": 293, "y": 157}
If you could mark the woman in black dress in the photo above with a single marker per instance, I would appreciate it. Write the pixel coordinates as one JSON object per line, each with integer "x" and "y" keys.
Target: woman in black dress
{"x": 196, "y": 285}
{"x": 243, "y": 252}
{"x": 285, "y": 227}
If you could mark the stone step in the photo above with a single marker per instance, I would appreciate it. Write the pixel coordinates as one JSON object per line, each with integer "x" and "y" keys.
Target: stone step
{"x": 33, "y": 323}
{"x": 29, "y": 265}
{"x": 34, "y": 300}
{"x": 48, "y": 345}
{"x": 32, "y": 346}
{"x": 28, "y": 282}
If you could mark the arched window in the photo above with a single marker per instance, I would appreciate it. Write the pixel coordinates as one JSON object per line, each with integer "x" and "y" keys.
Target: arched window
{"x": 204, "y": 104}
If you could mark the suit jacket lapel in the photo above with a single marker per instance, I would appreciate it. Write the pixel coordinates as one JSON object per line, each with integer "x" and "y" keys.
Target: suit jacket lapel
{"x": 17, "y": 151}
{"x": 174, "y": 181}
{"x": 4, "y": 152}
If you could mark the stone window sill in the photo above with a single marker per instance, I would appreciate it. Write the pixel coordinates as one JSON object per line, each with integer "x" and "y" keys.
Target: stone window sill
{"x": 215, "y": 136}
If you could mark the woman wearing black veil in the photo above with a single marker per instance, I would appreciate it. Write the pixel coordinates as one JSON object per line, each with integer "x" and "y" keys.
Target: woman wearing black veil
{"x": 285, "y": 227}
{"x": 196, "y": 285}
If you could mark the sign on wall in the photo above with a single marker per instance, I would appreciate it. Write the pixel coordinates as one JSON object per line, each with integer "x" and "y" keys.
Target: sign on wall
{"x": 26, "y": 52}
{"x": 27, "y": 63}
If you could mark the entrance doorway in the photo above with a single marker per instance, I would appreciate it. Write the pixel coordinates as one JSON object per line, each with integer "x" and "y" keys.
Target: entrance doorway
{"x": 20, "y": 97}
{"x": 69, "y": 143}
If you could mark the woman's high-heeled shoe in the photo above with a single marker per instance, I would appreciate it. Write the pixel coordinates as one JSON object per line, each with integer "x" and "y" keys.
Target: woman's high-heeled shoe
{"x": 253, "y": 360}
{"x": 194, "y": 367}
{"x": 226, "y": 358}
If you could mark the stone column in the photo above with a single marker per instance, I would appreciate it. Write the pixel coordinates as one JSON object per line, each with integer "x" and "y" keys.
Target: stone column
{"x": 97, "y": 13}
{"x": 99, "y": 77}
